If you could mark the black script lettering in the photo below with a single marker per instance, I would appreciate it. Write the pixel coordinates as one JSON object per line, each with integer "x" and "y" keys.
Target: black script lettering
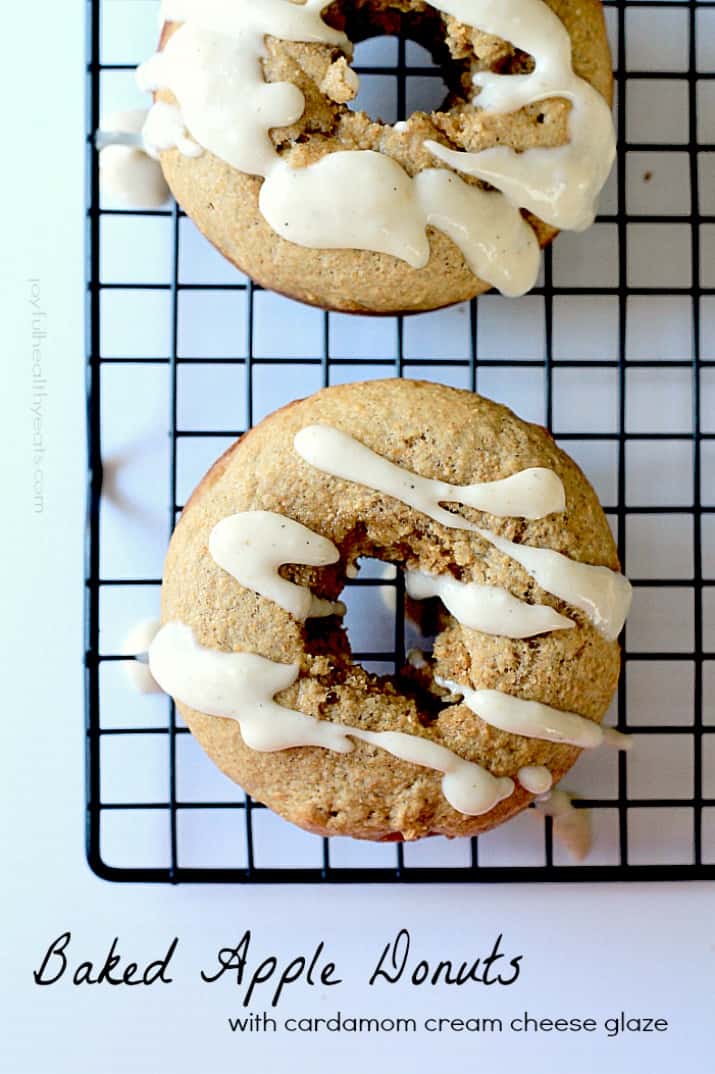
{"x": 55, "y": 950}
{"x": 264, "y": 973}
{"x": 397, "y": 951}
{"x": 231, "y": 958}
{"x": 494, "y": 957}
{"x": 111, "y": 972}
{"x": 156, "y": 971}
{"x": 236, "y": 958}
{"x": 393, "y": 965}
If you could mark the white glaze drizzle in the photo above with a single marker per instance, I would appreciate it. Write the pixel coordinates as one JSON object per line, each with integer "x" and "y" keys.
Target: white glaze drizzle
{"x": 252, "y": 545}
{"x": 531, "y": 493}
{"x": 561, "y": 185}
{"x": 617, "y": 739}
{"x": 388, "y": 593}
{"x": 603, "y": 595}
{"x": 571, "y": 827}
{"x": 532, "y": 719}
{"x": 212, "y": 65}
{"x": 136, "y": 644}
{"x": 242, "y": 687}
{"x": 535, "y": 778}
{"x": 361, "y": 199}
{"x": 490, "y": 609}
{"x": 164, "y": 129}
{"x": 127, "y": 173}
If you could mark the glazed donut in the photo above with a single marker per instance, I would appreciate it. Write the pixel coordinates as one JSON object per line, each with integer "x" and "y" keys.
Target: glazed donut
{"x": 329, "y": 206}
{"x": 480, "y": 510}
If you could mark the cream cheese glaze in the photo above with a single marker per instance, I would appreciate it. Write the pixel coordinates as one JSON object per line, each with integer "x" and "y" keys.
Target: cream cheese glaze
{"x": 252, "y": 545}
{"x": 535, "y": 778}
{"x": 164, "y": 129}
{"x": 136, "y": 644}
{"x": 603, "y": 595}
{"x": 572, "y": 827}
{"x": 617, "y": 739}
{"x": 532, "y": 493}
{"x": 491, "y": 609}
{"x": 361, "y": 199}
{"x": 127, "y": 173}
{"x": 242, "y": 686}
{"x": 532, "y": 719}
{"x": 561, "y": 185}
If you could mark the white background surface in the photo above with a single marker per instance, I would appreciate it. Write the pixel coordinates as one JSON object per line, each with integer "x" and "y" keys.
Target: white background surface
{"x": 598, "y": 950}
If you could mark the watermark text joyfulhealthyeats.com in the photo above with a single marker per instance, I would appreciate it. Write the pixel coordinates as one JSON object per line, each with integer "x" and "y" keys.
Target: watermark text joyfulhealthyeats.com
{"x": 38, "y": 394}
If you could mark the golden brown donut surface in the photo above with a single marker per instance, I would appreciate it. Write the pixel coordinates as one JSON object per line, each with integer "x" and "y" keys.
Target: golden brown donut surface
{"x": 437, "y": 432}
{"x": 224, "y": 202}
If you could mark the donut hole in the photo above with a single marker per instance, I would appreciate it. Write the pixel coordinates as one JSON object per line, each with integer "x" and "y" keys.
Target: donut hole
{"x": 372, "y": 626}
{"x": 391, "y": 91}
{"x": 382, "y": 627}
{"x": 455, "y": 50}
{"x": 406, "y": 20}
{"x": 355, "y": 104}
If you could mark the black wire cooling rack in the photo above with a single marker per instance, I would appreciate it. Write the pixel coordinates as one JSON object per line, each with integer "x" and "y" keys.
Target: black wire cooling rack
{"x": 696, "y": 144}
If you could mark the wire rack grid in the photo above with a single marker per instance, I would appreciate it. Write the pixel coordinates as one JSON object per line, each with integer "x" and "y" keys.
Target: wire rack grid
{"x": 644, "y": 325}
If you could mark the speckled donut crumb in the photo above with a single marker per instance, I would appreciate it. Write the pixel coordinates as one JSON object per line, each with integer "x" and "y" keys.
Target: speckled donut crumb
{"x": 223, "y": 202}
{"x": 438, "y": 432}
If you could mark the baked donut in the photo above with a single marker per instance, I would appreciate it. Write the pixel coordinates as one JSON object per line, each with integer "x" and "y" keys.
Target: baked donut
{"x": 479, "y": 509}
{"x": 332, "y": 207}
